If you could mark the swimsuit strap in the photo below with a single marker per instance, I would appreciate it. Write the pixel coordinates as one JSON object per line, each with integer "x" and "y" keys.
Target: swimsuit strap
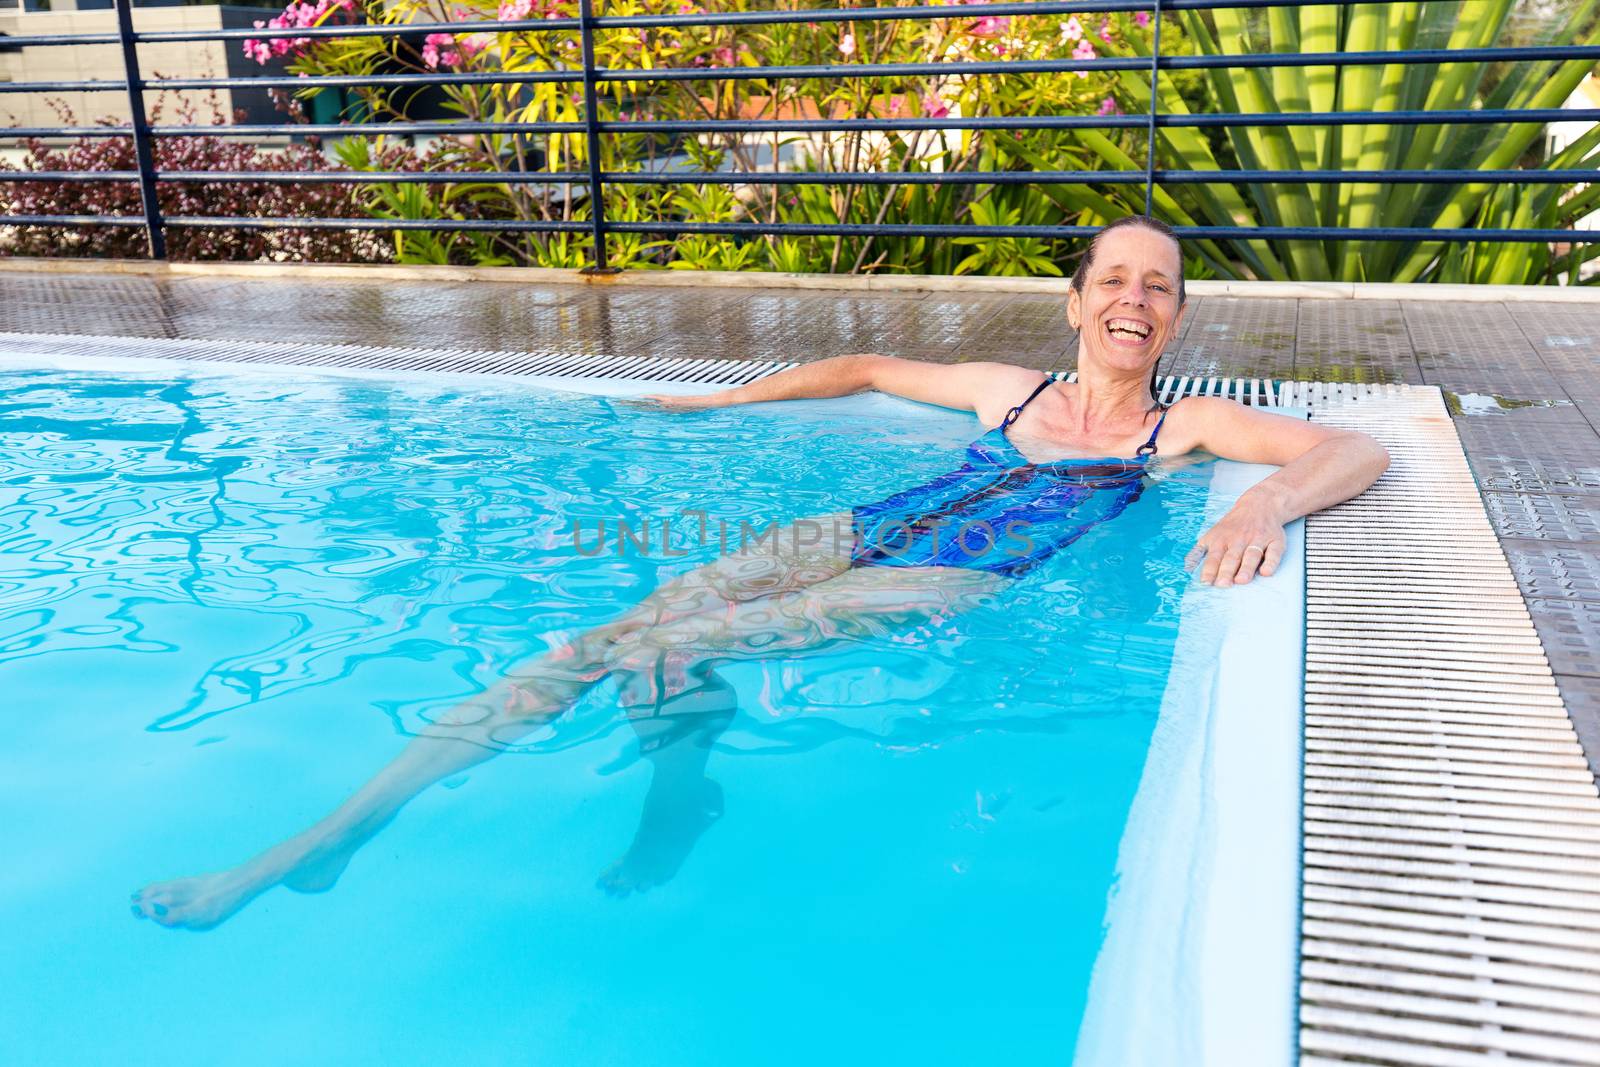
{"x": 1149, "y": 447}
{"x": 1011, "y": 416}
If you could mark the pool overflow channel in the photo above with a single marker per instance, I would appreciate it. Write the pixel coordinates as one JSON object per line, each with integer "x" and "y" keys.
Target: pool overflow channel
{"x": 1450, "y": 824}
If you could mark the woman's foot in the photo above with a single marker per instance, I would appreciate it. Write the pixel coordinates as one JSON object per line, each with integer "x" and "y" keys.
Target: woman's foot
{"x": 667, "y": 832}
{"x": 204, "y": 901}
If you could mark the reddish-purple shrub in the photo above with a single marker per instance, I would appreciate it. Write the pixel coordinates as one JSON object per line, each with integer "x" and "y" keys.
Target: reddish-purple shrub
{"x": 193, "y": 153}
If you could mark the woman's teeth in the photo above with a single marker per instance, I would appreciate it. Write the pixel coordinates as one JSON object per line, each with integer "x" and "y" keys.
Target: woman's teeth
{"x": 1128, "y": 329}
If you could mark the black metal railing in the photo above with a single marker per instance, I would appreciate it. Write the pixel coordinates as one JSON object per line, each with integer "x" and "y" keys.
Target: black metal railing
{"x": 593, "y": 127}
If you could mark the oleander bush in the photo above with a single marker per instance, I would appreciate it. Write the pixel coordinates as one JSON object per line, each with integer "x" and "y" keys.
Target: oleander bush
{"x": 962, "y": 36}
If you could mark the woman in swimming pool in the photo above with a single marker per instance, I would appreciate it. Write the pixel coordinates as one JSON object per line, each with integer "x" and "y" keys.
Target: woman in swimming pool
{"x": 1031, "y": 485}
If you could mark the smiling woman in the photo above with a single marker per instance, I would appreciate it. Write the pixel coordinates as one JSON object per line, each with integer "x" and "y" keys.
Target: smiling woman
{"x": 1126, "y": 302}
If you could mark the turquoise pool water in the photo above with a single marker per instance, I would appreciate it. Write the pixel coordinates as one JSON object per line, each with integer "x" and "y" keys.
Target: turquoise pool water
{"x": 227, "y": 600}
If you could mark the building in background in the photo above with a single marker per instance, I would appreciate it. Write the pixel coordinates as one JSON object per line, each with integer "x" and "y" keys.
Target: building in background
{"x": 179, "y": 59}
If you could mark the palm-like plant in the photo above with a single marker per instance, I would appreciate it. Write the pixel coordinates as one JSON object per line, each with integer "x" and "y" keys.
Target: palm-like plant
{"x": 1375, "y": 88}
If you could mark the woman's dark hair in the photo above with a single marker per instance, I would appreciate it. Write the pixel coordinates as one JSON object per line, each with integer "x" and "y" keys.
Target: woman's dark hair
{"x": 1081, "y": 275}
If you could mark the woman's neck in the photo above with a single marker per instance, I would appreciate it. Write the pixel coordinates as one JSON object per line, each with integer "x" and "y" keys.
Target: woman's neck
{"x": 1108, "y": 400}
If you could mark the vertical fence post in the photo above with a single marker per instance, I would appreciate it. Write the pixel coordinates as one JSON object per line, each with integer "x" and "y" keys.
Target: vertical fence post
{"x": 143, "y": 149}
{"x": 1155, "y": 106}
{"x": 591, "y": 123}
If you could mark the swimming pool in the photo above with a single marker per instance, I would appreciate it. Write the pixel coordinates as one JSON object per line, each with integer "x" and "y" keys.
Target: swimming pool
{"x": 229, "y": 597}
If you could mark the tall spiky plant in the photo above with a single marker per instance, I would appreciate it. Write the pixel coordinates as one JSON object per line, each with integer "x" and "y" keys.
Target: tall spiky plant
{"x": 1376, "y": 88}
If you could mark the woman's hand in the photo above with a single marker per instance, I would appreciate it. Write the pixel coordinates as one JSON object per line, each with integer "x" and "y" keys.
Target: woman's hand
{"x": 1248, "y": 540}
{"x": 698, "y": 402}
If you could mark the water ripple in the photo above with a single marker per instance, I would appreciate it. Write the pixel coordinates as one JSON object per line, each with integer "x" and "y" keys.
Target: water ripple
{"x": 395, "y": 549}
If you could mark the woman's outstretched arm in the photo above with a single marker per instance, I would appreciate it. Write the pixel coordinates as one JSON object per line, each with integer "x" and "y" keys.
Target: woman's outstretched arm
{"x": 962, "y": 386}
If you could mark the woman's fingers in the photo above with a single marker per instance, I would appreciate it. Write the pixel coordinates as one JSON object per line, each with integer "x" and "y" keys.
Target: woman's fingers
{"x": 1235, "y": 560}
{"x": 1249, "y": 561}
{"x": 660, "y": 401}
{"x": 1226, "y": 565}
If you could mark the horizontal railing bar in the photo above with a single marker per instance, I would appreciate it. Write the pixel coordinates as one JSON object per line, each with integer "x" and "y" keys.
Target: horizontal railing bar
{"x": 1229, "y": 120}
{"x": 72, "y": 220}
{"x": 1411, "y": 57}
{"x": 1035, "y": 122}
{"x": 869, "y": 14}
{"x": 267, "y": 33}
{"x": 708, "y": 18}
{"x": 300, "y": 128}
{"x": 509, "y": 225}
{"x": 63, "y": 87}
{"x": 825, "y": 229}
{"x": 69, "y": 176}
{"x": 331, "y": 81}
{"x": 331, "y": 177}
{"x": 1106, "y": 177}
{"x": 1091, "y": 177}
{"x": 1310, "y": 233}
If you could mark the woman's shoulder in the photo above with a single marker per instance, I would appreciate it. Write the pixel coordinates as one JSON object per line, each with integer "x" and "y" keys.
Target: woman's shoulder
{"x": 1004, "y": 386}
{"x": 1189, "y": 421}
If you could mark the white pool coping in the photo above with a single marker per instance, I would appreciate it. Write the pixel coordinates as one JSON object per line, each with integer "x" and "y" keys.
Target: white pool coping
{"x": 1200, "y": 960}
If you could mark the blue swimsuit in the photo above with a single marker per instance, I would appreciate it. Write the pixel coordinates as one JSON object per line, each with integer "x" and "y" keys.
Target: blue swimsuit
{"x": 999, "y": 512}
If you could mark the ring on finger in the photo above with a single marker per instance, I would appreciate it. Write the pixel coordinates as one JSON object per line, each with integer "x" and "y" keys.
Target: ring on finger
{"x": 1258, "y": 548}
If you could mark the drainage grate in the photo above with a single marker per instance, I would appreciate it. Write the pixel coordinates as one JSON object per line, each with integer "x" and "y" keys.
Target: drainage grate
{"x": 1254, "y": 391}
{"x": 1451, "y": 895}
{"x": 363, "y": 357}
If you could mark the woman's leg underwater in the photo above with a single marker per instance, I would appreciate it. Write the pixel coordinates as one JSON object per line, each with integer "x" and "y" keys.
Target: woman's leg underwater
{"x": 675, "y": 738}
{"x": 679, "y": 704}
{"x": 481, "y": 727}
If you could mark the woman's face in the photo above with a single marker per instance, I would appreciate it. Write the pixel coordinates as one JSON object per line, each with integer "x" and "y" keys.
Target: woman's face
{"x": 1128, "y": 308}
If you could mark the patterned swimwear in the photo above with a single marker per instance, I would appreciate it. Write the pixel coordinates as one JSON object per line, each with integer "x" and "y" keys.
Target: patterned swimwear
{"x": 998, "y": 512}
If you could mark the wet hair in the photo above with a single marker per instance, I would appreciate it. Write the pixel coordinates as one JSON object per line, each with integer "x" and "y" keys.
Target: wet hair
{"x": 1081, "y": 275}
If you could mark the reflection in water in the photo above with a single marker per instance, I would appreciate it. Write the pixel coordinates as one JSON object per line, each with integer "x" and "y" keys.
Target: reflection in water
{"x": 409, "y": 550}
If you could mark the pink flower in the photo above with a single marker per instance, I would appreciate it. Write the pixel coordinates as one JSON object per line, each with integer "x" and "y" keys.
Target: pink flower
{"x": 473, "y": 43}
{"x": 934, "y": 107}
{"x": 439, "y": 50}
{"x": 1085, "y": 50}
{"x": 1105, "y": 31}
{"x": 896, "y": 103}
{"x": 1142, "y": 18}
{"x": 1072, "y": 30}
{"x": 723, "y": 56}
{"x": 515, "y": 10}
{"x": 989, "y": 26}
{"x": 847, "y": 44}
{"x": 1108, "y": 106}
{"x": 299, "y": 14}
